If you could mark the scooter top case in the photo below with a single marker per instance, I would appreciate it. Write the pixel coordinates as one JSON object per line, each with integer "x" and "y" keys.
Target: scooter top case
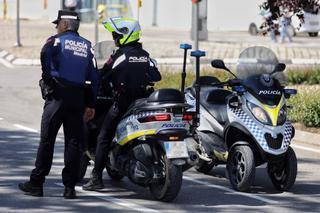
{"x": 165, "y": 106}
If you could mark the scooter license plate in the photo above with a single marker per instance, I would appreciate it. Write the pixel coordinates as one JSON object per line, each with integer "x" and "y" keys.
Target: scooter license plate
{"x": 176, "y": 149}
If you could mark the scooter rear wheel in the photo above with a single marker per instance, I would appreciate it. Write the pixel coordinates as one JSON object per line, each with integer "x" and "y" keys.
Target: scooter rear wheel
{"x": 241, "y": 167}
{"x": 113, "y": 174}
{"x": 168, "y": 189}
{"x": 284, "y": 178}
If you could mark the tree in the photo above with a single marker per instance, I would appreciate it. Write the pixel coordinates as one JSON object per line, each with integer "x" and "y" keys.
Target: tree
{"x": 272, "y": 10}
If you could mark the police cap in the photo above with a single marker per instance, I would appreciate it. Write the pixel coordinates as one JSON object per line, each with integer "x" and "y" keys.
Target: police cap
{"x": 66, "y": 14}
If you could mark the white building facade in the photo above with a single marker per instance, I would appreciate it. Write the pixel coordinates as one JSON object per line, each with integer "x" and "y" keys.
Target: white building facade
{"x": 222, "y": 15}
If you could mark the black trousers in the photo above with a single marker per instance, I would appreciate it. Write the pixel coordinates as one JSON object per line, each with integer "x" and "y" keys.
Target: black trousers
{"x": 67, "y": 108}
{"x": 110, "y": 124}
{"x": 105, "y": 137}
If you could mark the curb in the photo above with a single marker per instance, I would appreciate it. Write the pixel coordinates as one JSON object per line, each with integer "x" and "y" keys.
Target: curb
{"x": 307, "y": 137}
{"x": 12, "y": 59}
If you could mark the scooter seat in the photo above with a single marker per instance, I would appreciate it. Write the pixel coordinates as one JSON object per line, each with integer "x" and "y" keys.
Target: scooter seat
{"x": 206, "y": 81}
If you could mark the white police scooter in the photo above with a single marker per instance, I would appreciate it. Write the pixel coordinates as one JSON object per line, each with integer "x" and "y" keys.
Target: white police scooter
{"x": 246, "y": 125}
{"x": 153, "y": 144}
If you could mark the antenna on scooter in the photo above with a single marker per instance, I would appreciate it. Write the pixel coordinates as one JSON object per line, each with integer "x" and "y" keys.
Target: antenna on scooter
{"x": 186, "y": 47}
{"x": 197, "y": 54}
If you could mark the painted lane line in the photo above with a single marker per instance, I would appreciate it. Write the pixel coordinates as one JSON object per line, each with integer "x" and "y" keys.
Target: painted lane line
{"x": 25, "y": 128}
{"x": 305, "y": 148}
{"x": 1, "y": 119}
{"x": 138, "y": 208}
{"x": 6, "y": 63}
{"x": 233, "y": 192}
{"x": 117, "y": 201}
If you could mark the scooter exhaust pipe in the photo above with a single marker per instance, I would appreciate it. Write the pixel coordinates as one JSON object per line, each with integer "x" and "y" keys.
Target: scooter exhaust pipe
{"x": 192, "y": 151}
{"x": 193, "y": 156}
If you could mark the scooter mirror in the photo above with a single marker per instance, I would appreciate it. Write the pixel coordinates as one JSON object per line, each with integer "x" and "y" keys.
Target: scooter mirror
{"x": 279, "y": 68}
{"x": 219, "y": 64}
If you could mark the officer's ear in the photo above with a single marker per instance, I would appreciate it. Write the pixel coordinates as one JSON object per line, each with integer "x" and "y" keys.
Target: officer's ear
{"x": 116, "y": 37}
{"x": 64, "y": 25}
{"x": 117, "y": 40}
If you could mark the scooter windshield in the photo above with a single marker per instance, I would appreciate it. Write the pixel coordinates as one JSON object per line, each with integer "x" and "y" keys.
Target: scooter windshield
{"x": 258, "y": 60}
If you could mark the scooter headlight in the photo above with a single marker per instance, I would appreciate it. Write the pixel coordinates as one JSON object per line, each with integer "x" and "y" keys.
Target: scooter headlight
{"x": 259, "y": 113}
{"x": 282, "y": 116}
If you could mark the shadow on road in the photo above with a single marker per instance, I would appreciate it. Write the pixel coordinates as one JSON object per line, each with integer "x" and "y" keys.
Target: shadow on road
{"x": 17, "y": 155}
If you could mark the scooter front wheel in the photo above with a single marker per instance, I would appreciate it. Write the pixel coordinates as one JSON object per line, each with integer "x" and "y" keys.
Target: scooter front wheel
{"x": 241, "y": 167}
{"x": 283, "y": 178}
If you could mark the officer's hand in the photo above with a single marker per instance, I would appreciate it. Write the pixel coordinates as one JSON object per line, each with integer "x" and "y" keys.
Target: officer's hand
{"x": 88, "y": 114}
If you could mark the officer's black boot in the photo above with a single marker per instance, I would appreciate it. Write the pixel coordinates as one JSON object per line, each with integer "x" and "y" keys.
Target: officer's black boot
{"x": 69, "y": 193}
{"x": 94, "y": 183}
{"x": 31, "y": 189}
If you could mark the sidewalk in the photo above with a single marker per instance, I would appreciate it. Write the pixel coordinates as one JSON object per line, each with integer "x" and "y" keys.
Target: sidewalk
{"x": 307, "y": 137}
{"x": 163, "y": 44}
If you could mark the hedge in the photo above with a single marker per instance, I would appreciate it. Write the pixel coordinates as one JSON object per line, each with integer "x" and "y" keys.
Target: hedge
{"x": 306, "y": 107}
{"x": 305, "y": 76}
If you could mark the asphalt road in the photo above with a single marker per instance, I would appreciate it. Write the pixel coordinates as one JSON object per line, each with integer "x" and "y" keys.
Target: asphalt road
{"x": 20, "y": 112}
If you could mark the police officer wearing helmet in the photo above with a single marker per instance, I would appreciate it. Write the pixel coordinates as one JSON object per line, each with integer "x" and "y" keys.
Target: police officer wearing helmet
{"x": 67, "y": 63}
{"x": 131, "y": 70}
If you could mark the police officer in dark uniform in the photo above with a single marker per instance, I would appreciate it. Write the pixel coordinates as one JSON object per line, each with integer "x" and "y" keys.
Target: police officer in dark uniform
{"x": 67, "y": 63}
{"x": 130, "y": 70}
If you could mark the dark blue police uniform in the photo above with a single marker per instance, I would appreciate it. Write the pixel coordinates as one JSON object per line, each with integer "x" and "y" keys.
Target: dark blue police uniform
{"x": 67, "y": 63}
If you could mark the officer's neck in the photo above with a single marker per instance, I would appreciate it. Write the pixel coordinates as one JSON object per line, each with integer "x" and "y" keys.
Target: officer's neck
{"x": 132, "y": 44}
{"x": 69, "y": 31}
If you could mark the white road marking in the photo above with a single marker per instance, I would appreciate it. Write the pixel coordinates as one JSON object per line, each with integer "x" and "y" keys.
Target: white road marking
{"x": 25, "y": 128}
{"x": 1, "y": 119}
{"x": 140, "y": 208}
{"x": 117, "y": 201}
{"x": 233, "y": 192}
{"x": 6, "y": 63}
{"x": 305, "y": 148}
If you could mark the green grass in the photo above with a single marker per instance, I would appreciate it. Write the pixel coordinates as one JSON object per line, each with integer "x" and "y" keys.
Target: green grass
{"x": 306, "y": 107}
{"x": 173, "y": 79}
